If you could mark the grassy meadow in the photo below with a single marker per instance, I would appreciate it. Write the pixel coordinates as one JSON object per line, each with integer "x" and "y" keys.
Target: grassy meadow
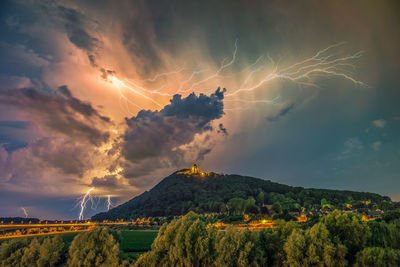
{"x": 134, "y": 243}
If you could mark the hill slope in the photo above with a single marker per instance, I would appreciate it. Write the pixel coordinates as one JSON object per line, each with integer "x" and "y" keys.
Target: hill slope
{"x": 181, "y": 192}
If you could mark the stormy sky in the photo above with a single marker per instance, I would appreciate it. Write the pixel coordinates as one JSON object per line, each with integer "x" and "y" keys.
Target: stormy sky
{"x": 116, "y": 95}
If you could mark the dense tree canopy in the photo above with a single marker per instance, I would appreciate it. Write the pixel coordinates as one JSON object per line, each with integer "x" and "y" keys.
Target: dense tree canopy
{"x": 377, "y": 256}
{"x": 314, "y": 248}
{"x": 184, "y": 242}
{"x": 94, "y": 248}
{"x": 20, "y": 252}
{"x": 336, "y": 239}
{"x": 178, "y": 194}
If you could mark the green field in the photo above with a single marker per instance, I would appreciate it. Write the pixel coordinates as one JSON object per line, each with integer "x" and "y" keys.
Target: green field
{"x": 131, "y": 241}
{"x": 68, "y": 237}
{"x": 134, "y": 243}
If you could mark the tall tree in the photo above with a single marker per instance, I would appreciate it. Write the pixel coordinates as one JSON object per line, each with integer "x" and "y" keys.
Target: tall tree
{"x": 295, "y": 250}
{"x": 260, "y": 197}
{"x": 94, "y": 248}
{"x": 320, "y": 249}
{"x": 313, "y": 248}
{"x": 51, "y": 252}
{"x": 236, "y": 248}
{"x": 349, "y": 230}
{"x": 12, "y": 251}
{"x": 31, "y": 254}
{"x": 183, "y": 242}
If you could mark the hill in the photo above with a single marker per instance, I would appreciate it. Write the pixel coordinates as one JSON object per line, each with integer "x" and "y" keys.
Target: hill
{"x": 189, "y": 190}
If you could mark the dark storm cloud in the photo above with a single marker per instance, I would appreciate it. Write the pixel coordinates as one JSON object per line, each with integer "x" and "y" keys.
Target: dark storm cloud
{"x": 284, "y": 110}
{"x": 67, "y": 155}
{"x": 12, "y": 135}
{"x": 106, "y": 73}
{"x": 108, "y": 181}
{"x": 202, "y": 153}
{"x": 63, "y": 89}
{"x": 75, "y": 24}
{"x": 79, "y": 28}
{"x": 138, "y": 34}
{"x": 60, "y": 112}
{"x": 205, "y": 107}
{"x": 14, "y": 124}
{"x": 159, "y": 133}
{"x": 222, "y": 129}
{"x": 145, "y": 167}
{"x": 92, "y": 60}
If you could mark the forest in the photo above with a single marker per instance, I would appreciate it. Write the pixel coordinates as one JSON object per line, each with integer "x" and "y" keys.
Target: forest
{"x": 178, "y": 194}
{"x": 336, "y": 239}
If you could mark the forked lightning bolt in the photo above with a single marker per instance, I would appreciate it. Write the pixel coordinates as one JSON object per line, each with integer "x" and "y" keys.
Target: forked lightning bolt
{"x": 25, "y": 212}
{"x": 302, "y": 72}
{"x": 253, "y": 77}
{"x": 109, "y": 203}
{"x": 83, "y": 200}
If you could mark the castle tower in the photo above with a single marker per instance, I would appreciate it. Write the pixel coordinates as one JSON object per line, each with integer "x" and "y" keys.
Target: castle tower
{"x": 195, "y": 169}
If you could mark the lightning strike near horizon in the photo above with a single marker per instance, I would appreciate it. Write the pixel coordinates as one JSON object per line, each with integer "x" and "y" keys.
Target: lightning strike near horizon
{"x": 83, "y": 200}
{"x": 109, "y": 203}
{"x": 25, "y": 212}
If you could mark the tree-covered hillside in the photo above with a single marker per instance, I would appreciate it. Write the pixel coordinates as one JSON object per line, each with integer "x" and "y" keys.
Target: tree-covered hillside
{"x": 179, "y": 193}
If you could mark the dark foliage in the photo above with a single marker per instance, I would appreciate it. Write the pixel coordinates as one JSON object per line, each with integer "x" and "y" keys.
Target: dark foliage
{"x": 178, "y": 194}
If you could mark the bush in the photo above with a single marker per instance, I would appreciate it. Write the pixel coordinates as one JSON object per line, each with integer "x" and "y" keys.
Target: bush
{"x": 94, "y": 248}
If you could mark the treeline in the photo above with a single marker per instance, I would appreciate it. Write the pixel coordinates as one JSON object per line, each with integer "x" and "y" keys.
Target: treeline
{"x": 18, "y": 220}
{"x": 178, "y": 194}
{"x": 335, "y": 240}
{"x": 98, "y": 247}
